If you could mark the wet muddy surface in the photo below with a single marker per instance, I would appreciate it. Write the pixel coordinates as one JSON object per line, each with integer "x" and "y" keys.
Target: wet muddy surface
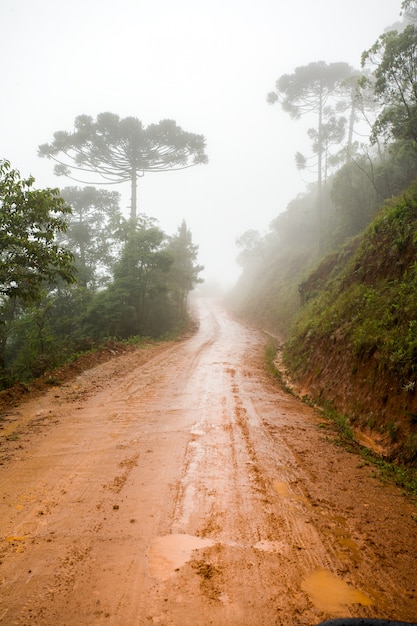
{"x": 184, "y": 487}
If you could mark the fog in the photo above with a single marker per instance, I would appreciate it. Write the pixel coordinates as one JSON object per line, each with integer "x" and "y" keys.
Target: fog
{"x": 208, "y": 65}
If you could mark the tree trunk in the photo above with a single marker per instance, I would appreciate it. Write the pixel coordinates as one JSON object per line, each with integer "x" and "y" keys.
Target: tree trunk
{"x": 353, "y": 96}
{"x": 320, "y": 172}
{"x": 133, "y": 195}
{"x": 82, "y": 280}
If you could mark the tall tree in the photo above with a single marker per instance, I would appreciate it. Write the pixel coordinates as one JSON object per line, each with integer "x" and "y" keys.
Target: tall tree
{"x": 90, "y": 235}
{"x": 310, "y": 90}
{"x": 331, "y": 133}
{"x": 393, "y": 59}
{"x": 123, "y": 149}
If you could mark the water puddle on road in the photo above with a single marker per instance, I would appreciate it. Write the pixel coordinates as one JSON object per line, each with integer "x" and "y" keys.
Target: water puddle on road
{"x": 169, "y": 553}
{"x": 330, "y": 594}
{"x": 283, "y": 490}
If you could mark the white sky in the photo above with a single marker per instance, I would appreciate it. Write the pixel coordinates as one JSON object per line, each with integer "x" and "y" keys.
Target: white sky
{"x": 208, "y": 65}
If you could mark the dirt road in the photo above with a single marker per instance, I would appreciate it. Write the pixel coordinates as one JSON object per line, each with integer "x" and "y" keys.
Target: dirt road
{"x": 184, "y": 487}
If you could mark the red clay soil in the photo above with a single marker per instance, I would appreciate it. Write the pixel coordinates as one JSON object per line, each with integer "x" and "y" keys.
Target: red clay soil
{"x": 179, "y": 485}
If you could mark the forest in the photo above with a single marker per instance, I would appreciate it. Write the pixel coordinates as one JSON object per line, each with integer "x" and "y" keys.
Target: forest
{"x": 335, "y": 277}
{"x": 74, "y": 272}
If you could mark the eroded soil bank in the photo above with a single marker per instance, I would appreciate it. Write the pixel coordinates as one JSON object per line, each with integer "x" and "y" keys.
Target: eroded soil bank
{"x": 178, "y": 485}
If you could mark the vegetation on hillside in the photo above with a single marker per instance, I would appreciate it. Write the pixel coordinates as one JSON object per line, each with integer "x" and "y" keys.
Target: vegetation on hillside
{"x": 355, "y": 340}
{"x": 336, "y": 276}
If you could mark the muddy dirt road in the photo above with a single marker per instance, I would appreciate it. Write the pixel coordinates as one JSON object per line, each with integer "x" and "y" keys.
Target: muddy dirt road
{"x": 184, "y": 487}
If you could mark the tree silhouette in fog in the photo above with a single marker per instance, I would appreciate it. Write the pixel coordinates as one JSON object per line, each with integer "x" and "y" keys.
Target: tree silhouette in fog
{"x": 315, "y": 89}
{"x": 122, "y": 149}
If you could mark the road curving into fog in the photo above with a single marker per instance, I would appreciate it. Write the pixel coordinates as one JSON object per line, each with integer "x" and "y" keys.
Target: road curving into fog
{"x": 186, "y": 488}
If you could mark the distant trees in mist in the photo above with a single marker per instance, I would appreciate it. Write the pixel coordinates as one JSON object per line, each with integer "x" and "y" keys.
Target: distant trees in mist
{"x": 364, "y": 151}
{"x": 319, "y": 89}
{"x": 380, "y": 98}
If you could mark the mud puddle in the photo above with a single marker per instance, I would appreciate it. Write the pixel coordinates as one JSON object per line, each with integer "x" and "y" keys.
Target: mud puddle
{"x": 331, "y": 594}
{"x": 168, "y": 554}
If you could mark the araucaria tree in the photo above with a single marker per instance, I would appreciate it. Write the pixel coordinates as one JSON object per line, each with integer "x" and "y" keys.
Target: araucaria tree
{"x": 121, "y": 150}
{"x": 315, "y": 89}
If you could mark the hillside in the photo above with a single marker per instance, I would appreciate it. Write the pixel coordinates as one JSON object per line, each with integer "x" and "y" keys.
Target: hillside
{"x": 354, "y": 344}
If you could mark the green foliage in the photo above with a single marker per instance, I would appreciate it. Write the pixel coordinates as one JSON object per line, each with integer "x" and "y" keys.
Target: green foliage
{"x": 275, "y": 265}
{"x": 331, "y": 212}
{"x": 129, "y": 306}
{"x": 355, "y": 196}
{"x": 270, "y": 356}
{"x": 93, "y": 233}
{"x": 361, "y": 320}
{"x": 31, "y": 261}
{"x": 348, "y": 307}
{"x": 344, "y": 428}
{"x": 396, "y": 473}
{"x": 184, "y": 270}
{"x": 394, "y": 59}
{"x": 373, "y": 299}
{"x": 146, "y": 295}
{"x": 271, "y": 352}
{"x": 41, "y": 335}
{"x": 30, "y": 219}
{"x": 152, "y": 279}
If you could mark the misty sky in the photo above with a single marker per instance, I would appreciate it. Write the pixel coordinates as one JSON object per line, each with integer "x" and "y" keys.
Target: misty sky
{"x": 208, "y": 65}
